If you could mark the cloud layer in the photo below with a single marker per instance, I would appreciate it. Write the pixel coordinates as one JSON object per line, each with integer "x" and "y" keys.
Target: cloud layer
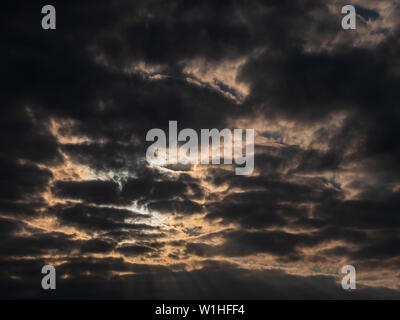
{"x": 77, "y": 192}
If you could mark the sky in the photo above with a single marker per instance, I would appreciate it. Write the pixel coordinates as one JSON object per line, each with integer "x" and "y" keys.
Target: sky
{"x": 77, "y": 192}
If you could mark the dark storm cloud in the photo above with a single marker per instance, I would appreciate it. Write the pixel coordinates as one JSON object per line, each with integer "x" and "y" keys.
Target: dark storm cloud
{"x": 280, "y": 188}
{"x": 38, "y": 244}
{"x": 140, "y": 234}
{"x": 250, "y": 214}
{"x": 181, "y": 30}
{"x": 385, "y": 248}
{"x": 278, "y": 243}
{"x": 80, "y": 76}
{"x": 28, "y": 208}
{"x": 215, "y": 280}
{"x": 362, "y": 214}
{"x": 57, "y": 75}
{"x": 92, "y": 218}
{"x": 149, "y": 189}
{"x": 95, "y": 191}
{"x": 368, "y": 256}
{"x": 269, "y": 200}
{"x": 245, "y": 244}
{"x": 163, "y": 193}
{"x": 21, "y": 187}
{"x": 24, "y": 134}
{"x": 175, "y": 36}
{"x": 169, "y": 195}
{"x": 273, "y": 160}
{"x": 21, "y": 180}
{"x": 307, "y": 87}
{"x": 333, "y": 219}
{"x": 8, "y": 227}
{"x": 104, "y": 156}
{"x": 313, "y": 161}
{"x": 174, "y": 206}
{"x": 319, "y": 83}
{"x": 97, "y": 246}
{"x": 134, "y": 250}
{"x": 105, "y": 266}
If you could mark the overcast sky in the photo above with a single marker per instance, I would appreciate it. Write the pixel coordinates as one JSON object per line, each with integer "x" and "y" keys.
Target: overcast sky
{"x": 76, "y": 189}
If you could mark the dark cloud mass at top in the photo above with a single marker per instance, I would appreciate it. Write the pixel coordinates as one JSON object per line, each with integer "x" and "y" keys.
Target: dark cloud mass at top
{"x": 77, "y": 192}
